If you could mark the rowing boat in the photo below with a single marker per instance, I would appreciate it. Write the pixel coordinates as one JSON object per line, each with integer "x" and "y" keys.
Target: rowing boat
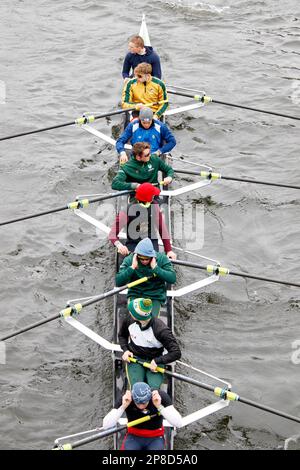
{"x": 75, "y": 306}
{"x": 120, "y": 311}
{"x": 166, "y": 313}
{"x": 119, "y": 376}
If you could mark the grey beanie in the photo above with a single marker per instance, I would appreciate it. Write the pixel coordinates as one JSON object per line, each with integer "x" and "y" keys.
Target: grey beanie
{"x": 146, "y": 114}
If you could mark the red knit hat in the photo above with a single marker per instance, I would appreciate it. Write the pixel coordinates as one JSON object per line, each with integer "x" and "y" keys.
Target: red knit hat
{"x": 146, "y": 191}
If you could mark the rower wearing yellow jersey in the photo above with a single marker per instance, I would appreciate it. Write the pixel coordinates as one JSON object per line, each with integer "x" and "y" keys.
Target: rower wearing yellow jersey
{"x": 144, "y": 89}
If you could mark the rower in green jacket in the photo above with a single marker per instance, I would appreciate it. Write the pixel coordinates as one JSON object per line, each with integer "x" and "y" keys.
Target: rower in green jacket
{"x": 145, "y": 261}
{"x": 141, "y": 168}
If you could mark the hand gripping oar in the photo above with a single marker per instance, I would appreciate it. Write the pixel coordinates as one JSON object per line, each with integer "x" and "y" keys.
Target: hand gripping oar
{"x": 217, "y": 176}
{"x": 140, "y": 105}
{"x": 81, "y": 203}
{"x": 220, "y": 270}
{"x": 207, "y": 99}
{"x": 76, "y": 309}
{"x": 99, "y": 435}
{"x": 223, "y": 393}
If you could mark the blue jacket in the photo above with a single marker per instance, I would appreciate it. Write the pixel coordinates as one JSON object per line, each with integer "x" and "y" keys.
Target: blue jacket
{"x": 132, "y": 60}
{"x": 156, "y": 135}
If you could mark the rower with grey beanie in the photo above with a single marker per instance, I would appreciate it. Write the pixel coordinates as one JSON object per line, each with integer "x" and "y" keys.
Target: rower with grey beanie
{"x": 146, "y": 129}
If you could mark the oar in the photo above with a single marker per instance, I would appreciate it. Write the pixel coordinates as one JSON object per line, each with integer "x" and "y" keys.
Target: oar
{"x": 215, "y": 176}
{"x": 76, "y": 309}
{"x": 219, "y": 270}
{"x": 99, "y": 435}
{"x": 81, "y": 203}
{"x": 223, "y": 393}
{"x": 207, "y": 99}
{"x": 79, "y": 121}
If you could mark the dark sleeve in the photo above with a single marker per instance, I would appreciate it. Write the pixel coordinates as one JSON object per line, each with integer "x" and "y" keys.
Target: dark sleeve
{"x": 166, "y": 272}
{"x": 119, "y": 182}
{"x": 166, "y": 400}
{"x": 168, "y": 340}
{"x": 119, "y": 403}
{"x": 156, "y": 68}
{"x": 123, "y": 335}
{"x": 165, "y": 169}
{"x": 126, "y": 66}
{"x": 125, "y": 273}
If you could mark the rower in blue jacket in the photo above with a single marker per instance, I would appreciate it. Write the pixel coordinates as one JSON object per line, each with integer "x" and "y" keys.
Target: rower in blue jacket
{"x": 146, "y": 129}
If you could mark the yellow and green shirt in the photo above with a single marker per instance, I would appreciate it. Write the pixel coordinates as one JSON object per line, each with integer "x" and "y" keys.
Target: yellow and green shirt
{"x": 151, "y": 92}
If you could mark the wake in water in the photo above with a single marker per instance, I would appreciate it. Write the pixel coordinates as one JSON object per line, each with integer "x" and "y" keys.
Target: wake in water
{"x": 191, "y": 6}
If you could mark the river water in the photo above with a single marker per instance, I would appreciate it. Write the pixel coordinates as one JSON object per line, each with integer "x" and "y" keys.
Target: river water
{"x": 61, "y": 59}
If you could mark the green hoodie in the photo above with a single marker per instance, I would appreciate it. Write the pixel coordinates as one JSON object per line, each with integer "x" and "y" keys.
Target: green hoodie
{"x": 154, "y": 288}
{"x": 140, "y": 172}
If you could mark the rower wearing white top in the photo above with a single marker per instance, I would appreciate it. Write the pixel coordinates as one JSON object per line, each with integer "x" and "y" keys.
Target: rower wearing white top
{"x": 140, "y": 402}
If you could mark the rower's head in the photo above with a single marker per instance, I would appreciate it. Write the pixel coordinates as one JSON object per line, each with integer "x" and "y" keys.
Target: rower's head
{"x": 136, "y": 44}
{"x": 145, "y": 251}
{"x": 140, "y": 309}
{"x": 146, "y": 117}
{"x": 145, "y": 193}
{"x": 141, "y": 151}
{"x": 141, "y": 395}
{"x": 142, "y": 72}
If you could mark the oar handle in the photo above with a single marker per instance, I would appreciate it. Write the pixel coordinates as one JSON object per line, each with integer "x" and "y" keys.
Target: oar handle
{"x": 156, "y": 102}
{"x": 138, "y": 281}
{"x": 107, "y": 432}
{"x": 140, "y": 420}
{"x": 147, "y": 365}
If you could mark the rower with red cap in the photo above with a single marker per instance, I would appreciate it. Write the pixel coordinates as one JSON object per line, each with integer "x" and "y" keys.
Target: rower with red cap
{"x": 143, "y": 219}
{"x": 140, "y": 402}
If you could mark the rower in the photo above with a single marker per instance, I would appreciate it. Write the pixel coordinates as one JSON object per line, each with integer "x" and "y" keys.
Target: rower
{"x": 146, "y": 337}
{"x": 146, "y": 129}
{"x": 141, "y": 168}
{"x": 142, "y": 219}
{"x": 140, "y": 402}
{"x": 138, "y": 53}
{"x": 145, "y": 261}
{"x": 145, "y": 89}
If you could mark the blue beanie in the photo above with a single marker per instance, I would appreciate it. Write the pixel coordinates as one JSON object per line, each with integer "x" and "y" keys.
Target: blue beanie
{"x": 141, "y": 393}
{"x": 145, "y": 248}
